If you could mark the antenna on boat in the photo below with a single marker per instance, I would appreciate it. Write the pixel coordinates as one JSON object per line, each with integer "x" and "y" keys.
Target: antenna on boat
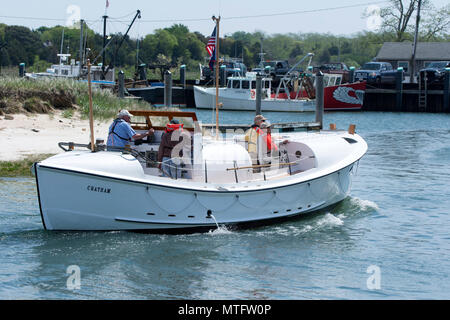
{"x": 217, "y": 21}
{"x": 91, "y": 112}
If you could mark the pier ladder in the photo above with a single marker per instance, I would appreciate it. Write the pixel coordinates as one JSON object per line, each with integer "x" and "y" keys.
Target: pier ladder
{"x": 423, "y": 91}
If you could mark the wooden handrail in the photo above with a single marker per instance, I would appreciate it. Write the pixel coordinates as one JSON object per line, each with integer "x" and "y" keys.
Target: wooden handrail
{"x": 169, "y": 114}
{"x": 263, "y": 166}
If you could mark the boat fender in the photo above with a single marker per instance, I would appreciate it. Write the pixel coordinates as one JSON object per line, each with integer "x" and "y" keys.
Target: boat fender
{"x": 253, "y": 93}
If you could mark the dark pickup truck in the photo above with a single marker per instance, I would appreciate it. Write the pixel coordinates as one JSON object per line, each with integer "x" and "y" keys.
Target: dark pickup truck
{"x": 337, "y": 68}
{"x": 276, "y": 69}
{"x": 435, "y": 71}
{"x": 376, "y": 72}
{"x": 232, "y": 68}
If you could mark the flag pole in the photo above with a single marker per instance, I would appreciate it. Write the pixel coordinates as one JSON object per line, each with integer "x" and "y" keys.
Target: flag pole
{"x": 91, "y": 112}
{"x": 217, "y": 20}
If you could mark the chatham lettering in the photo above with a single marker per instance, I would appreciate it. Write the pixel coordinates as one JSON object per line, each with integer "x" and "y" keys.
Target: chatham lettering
{"x": 99, "y": 189}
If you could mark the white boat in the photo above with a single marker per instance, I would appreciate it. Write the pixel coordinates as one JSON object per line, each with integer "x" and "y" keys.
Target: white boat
{"x": 114, "y": 190}
{"x": 240, "y": 94}
{"x": 75, "y": 72}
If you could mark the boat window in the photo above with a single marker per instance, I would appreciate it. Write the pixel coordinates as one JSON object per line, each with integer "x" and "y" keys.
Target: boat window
{"x": 229, "y": 83}
{"x": 350, "y": 140}
{"x": 236, "y": 84}
{"x": 253, "y": 84}
{"x": 267, "y": 84}
{"x": 245, "y": 84}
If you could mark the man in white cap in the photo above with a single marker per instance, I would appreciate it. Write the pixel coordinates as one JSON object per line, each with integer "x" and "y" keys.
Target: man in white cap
{"x": 121, "y": 133}
{"x": 252, "y": 137}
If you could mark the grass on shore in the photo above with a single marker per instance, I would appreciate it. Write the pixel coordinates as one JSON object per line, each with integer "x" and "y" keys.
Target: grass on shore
{"x": 20, "y": 168}
{"x": 44, "y": 95}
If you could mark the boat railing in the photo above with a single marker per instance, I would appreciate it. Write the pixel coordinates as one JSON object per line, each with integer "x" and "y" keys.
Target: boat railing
{"x": 266, "y": 171}
{"x": 261, "y": 172}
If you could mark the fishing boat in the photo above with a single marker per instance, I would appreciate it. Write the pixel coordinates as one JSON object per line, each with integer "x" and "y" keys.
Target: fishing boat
{"x": 240, "y": 94}
{"x": 219, "y": 182}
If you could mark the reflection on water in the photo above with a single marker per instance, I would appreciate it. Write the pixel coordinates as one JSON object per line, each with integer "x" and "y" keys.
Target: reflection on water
{"x": 396, "y": 218}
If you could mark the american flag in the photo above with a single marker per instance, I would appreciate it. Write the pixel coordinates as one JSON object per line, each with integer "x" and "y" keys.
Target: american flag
{"x": 212, "y": 60}
{"x": 211, "y": 46}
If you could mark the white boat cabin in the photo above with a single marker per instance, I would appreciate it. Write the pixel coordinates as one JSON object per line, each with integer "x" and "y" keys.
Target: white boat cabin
{"x": 209, "y": 160}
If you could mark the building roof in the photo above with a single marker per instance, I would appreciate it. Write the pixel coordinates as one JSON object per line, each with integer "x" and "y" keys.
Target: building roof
{"x": 424, "y": 51}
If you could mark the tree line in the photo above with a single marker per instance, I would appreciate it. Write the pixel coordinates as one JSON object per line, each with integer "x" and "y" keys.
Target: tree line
{"x": 178, "y": 45}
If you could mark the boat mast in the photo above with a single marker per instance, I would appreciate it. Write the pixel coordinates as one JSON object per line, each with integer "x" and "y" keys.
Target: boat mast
{"x": 81, "y": 43}
{"x": 61, "y": 50}
{"x": 104, "y": 47}
{"x": 217, "y": 20}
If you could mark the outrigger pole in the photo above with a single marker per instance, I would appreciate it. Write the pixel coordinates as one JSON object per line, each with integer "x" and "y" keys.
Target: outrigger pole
{"x": 217, "y": 20}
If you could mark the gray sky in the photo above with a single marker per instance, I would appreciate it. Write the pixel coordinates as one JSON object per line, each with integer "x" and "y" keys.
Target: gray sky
{"x": 343, "y": 17}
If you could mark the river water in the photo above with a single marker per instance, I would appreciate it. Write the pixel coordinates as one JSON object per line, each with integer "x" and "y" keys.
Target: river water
{"x": 389, "y": 240}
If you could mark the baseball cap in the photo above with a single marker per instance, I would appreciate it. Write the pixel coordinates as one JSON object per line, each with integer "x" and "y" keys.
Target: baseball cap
{"x": 260, "y": 117}
{"x": 123, "y": 113}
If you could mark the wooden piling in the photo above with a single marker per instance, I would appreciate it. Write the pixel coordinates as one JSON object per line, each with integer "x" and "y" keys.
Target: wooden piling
{"x": 183, "y": 75}
{"x": 446, "y": 100}
{"x": 399, "y": 89}
{"x": 168, "y": 88}
{"x": 319, "y": 98}
{"x": 258, "y": 95}
{"x": 121, "y": 89}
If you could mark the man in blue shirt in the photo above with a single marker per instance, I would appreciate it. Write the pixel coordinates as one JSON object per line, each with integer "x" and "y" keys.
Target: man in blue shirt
{"x": 121, "y": 133}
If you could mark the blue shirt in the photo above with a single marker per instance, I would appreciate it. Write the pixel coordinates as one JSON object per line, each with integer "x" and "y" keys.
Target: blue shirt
{"x": 120, "y": 133}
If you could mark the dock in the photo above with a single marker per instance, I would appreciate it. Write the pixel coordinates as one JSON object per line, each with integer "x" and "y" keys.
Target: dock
{"x": 410, "y": 97}
{"x": 397, "y": 97}
{"x": 411, "y": 100}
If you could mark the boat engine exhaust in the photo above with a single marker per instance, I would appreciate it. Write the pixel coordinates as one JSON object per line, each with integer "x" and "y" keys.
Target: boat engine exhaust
{"x": 210, "y": 215}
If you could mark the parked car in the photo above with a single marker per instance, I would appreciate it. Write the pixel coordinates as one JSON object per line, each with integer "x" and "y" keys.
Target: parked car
{"x": 434, "y": 71}
{"x": 235, "y": 68}
{"x": 376, "y": 72}
{"x": 276, "y": 68}
{"x": 232, "y": 68}
{"x": 337, "y": 68}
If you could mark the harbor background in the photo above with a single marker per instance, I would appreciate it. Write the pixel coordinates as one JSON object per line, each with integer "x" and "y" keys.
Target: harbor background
{"x": 396, "y": 219}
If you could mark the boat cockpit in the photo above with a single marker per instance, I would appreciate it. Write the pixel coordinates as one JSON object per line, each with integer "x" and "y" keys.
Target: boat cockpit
{"x": 206, "y": 159}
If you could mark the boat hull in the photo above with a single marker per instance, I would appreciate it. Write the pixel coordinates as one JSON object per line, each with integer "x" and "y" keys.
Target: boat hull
{"x": 344, "y": 97}
{"x": 76, "y": 200}
{"x": 155, "y": 96}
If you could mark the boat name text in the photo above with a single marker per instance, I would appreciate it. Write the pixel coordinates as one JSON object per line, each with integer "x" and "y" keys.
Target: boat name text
{"x": 98, "y": 189}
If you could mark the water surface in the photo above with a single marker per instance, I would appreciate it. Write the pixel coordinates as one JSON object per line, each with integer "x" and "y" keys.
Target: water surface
{"x": 397, "y": 219}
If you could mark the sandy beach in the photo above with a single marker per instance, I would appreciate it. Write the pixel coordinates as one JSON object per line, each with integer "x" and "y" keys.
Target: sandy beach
{"x": 34, "y": 134}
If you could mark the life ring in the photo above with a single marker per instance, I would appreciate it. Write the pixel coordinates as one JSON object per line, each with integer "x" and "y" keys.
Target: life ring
{"x": 253, "y": 93}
